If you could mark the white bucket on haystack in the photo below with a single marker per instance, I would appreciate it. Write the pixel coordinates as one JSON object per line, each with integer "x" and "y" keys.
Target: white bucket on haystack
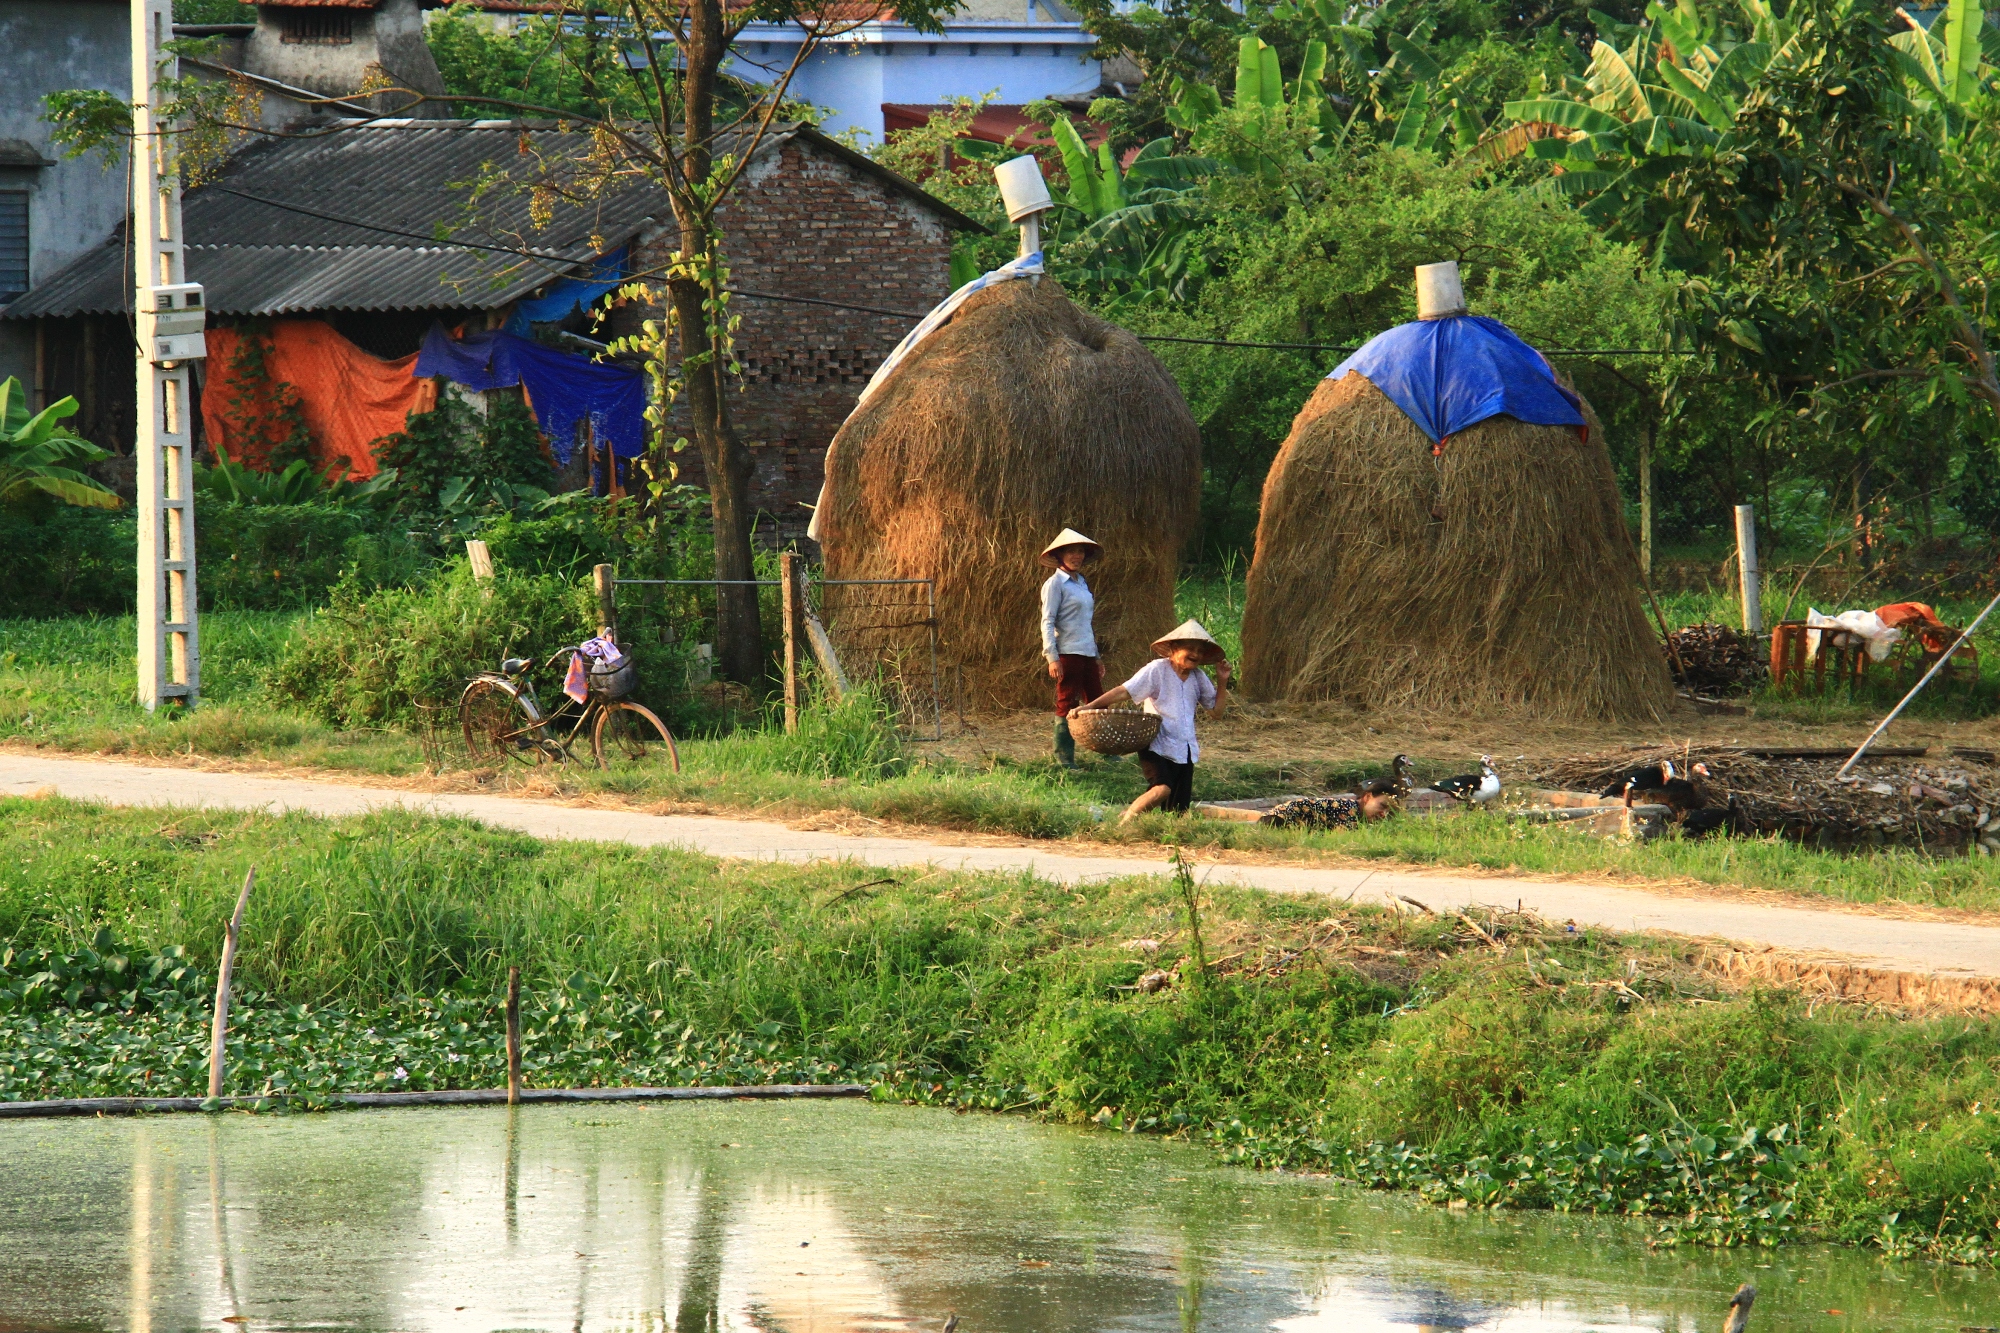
{"x": 1440, "y": 295}
{"x": 1025, "y": 195}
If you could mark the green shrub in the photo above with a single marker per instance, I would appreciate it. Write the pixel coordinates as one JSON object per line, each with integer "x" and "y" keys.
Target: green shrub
{"x": 271, "y": 557}
{"x": 371, "y": 658}
{"x": 58, "y": 559}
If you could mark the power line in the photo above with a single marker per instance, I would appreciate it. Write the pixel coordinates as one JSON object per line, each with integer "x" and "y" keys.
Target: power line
{"x": 548, "y": 255}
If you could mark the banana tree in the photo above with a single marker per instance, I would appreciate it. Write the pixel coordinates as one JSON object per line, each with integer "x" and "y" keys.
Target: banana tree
{"x": 35, "y": 453}
{"x": 1949, "y": 63}
{"x": 1139, "y": 219}
{"x": 1639, "y": 115}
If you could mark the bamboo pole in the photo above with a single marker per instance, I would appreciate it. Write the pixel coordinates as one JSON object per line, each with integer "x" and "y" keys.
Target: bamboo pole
{"x": 220, "y": 1030}
{"x": 1915, "y": 689}
{"x": 1646, "y": 499}
{"x": 513, "y": 1036}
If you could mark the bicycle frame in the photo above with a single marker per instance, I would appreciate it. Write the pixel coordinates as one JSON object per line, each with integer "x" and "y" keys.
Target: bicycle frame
{"x": 543, "y": 728}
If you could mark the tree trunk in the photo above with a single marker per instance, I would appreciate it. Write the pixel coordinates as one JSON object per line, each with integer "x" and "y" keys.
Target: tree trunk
{"x": 738, "y": 632}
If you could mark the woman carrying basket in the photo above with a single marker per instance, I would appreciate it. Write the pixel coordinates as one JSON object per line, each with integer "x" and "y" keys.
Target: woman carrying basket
{"x": 1068, "y": 641}
{"x": 1173, "y": 685}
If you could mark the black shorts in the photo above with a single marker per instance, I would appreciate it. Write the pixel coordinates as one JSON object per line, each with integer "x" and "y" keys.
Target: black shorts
{"x": 1177, "y": 778}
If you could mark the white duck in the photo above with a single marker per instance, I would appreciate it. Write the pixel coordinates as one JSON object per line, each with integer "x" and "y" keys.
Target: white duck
{"x": 1481, "y": 788}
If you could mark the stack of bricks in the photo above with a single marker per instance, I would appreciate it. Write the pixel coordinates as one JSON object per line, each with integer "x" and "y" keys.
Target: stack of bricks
{"x": 804, "y": 223}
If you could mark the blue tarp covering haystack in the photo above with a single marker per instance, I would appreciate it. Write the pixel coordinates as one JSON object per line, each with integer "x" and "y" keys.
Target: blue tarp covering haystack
{"x": 1443, "y": 529}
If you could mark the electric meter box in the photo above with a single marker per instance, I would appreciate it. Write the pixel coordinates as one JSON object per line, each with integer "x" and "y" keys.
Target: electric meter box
{"x": 172, "y": 322}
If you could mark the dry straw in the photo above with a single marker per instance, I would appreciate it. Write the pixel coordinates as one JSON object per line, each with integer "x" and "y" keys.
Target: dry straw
{"x": 1022, "y": 416}
{"x": 1499, "y": 574}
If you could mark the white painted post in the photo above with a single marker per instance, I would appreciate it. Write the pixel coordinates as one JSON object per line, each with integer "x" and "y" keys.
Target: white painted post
{"x": 169, "y": 318}
{"x": 1746, "y": 566}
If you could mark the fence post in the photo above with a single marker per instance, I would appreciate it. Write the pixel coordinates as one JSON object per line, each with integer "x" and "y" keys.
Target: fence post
{"x": 788, "y": 582}
{"x": 605, "y": 576}
{"x": 1746, "y": 565}
{"x": 481, "y": 561}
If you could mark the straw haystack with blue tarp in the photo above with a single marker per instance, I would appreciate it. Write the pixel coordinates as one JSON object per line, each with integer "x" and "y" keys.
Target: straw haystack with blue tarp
{"x": 1443, "y": 529}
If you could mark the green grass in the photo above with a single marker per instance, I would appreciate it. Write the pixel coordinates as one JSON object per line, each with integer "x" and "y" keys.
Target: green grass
{"x": 1401, "y": 1052}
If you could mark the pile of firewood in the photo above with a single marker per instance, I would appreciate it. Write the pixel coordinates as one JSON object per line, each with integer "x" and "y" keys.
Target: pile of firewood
{"x": 1714, "y": 659}
{"x": 1947, "y": 802}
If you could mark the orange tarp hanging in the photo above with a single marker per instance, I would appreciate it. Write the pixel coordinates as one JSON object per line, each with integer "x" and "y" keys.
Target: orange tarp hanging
{"x": 264, "y": 386}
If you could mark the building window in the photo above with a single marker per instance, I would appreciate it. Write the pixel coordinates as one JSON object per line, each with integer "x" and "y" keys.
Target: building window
{"x": 317, "y": 27}
{"x": 13, "y": 244}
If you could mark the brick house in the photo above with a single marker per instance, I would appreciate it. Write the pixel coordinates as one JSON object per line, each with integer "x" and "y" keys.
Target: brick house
{"x": 814, "y": 219}
{"x": 337, "y": 227}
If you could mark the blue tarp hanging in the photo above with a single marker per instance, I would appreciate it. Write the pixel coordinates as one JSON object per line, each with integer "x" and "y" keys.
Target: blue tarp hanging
{"x": 1447, "y": 374}
{"x": 569, "y": 294}
{"x": 563, "y": 388}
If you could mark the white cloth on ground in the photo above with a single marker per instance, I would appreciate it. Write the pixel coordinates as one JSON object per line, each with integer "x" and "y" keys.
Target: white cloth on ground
{"x": 1161, "y": 690}
{"x": 1067, "y": 608}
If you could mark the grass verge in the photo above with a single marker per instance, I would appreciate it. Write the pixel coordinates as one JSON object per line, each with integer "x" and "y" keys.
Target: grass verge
{"x": 1509, "y": 1065}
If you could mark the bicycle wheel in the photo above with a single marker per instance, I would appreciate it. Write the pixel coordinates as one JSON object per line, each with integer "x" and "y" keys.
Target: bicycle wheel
{"x": 497, "y": 725}
{"x": 630, "y": 731}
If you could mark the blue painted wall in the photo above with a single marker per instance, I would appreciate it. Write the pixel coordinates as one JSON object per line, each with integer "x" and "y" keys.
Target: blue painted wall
{"x": 1014, "y": 62}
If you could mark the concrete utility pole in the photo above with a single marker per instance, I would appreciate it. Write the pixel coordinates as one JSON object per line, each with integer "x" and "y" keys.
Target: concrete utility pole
{"x": 171, "y": 316}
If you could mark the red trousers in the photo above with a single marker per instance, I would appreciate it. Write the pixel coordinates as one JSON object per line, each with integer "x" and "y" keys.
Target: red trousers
{"x": 1082, "y": 680}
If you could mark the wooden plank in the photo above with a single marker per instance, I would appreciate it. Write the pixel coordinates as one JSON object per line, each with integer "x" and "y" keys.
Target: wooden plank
{"x": 457, "y": 1097}
{"x": 1820, "y": 752}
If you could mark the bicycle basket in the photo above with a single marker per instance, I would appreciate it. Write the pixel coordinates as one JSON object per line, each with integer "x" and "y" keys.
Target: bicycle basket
{"x": 609, "y": 681}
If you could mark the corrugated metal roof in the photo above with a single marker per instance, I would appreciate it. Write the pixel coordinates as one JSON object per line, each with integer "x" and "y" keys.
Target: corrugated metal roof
{"x": 347, "y": 218}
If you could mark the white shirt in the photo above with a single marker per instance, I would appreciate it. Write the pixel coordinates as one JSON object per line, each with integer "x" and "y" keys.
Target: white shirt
{"x": 1067, "y": 607}
{"x": 1158, "y": 686}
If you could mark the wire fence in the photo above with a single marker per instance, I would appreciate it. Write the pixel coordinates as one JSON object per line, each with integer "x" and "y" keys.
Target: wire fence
{"x": 882, "y": 632}
{"x": 885, "y": 632}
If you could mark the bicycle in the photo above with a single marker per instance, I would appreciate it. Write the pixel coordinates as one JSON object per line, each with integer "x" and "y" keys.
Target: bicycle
{"x": 502, "y": 719}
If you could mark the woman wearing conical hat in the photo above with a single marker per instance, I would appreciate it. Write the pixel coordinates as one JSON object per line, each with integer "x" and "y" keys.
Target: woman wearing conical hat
{"x": 1173, "y": 685}
{"x": 1068, "y": 640}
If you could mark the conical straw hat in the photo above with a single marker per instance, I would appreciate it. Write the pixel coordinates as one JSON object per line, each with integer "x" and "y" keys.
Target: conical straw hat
{"x": 1070, "y": 537}
{"x": 1190, "y": 632}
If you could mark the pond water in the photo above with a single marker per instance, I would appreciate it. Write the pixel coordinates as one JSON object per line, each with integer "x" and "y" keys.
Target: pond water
{"x": 821, "y": 1216}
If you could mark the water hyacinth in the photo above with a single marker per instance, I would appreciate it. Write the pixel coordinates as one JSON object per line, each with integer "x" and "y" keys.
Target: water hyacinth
{"x": 411, "y": 1045}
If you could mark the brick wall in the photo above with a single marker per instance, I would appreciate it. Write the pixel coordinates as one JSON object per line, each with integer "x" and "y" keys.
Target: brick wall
{"x": 806, "y": 224}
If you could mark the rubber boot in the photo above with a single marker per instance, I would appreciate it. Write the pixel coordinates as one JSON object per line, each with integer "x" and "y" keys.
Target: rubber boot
{"x": 1065, "y": 744}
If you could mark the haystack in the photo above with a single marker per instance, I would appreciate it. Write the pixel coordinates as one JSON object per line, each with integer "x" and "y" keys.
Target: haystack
{"x": 1493, "y": 571}
{"x": 1022, "y": 416}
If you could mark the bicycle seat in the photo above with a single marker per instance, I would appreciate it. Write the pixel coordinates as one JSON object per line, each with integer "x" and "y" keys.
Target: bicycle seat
{"x": 513, "y": 666}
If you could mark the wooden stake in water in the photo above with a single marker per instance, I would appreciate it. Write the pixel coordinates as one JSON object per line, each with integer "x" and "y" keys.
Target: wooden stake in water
{"x": 1739, "y": 1309}
{"x": 513, "y": 1036}
{"x": 220, "y": 1031}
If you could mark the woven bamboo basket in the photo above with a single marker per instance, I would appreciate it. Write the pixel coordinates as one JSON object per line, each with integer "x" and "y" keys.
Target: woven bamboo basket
{"x": 1113, "y": 730}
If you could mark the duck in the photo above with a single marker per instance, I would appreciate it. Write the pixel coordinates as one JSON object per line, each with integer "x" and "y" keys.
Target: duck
{"x": 1679, "y": 794}
{"x": 1728, "y": 818}
{"x": 1481, "y": 788}
{"x": 1396, "y": 784}
{"x": 1646, "y": 777}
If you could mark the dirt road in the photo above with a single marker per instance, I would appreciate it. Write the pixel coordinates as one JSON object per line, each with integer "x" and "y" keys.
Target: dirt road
{"x": 1945, "y": 947}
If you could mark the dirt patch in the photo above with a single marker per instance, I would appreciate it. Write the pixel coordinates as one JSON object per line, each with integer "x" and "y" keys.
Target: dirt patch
{"x": 1316, "y": 735}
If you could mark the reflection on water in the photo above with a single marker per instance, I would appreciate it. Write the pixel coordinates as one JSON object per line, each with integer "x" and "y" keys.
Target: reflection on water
{"x": 820, "y": 1218}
